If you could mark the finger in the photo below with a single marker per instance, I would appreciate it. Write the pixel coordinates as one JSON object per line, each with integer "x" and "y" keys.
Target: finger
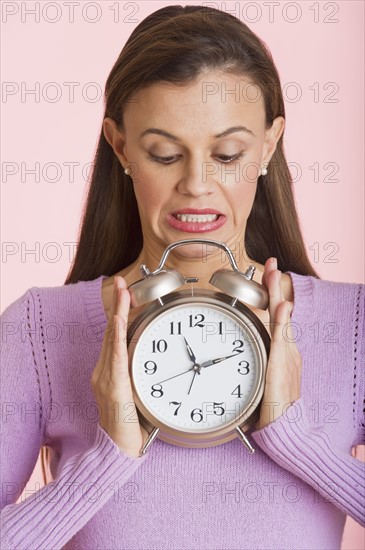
{"x": 288, "y": 328}
{"x": 122, "y": 392}
{"x": 278, "y": 349}
{"x": 121, "y": 283}
{"x": 283, "y": 342}
{"x": 270, "y": 265}
{"x": 275, "y": 294}
{"x": 118, "y": 371}
{"x": 292, "y": 348}
{"x": 119, "y": 328}
{"x": 281, "y": 320}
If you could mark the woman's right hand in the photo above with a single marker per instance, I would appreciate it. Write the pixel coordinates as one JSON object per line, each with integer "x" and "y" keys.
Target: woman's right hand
{"x": 111, "y": 382}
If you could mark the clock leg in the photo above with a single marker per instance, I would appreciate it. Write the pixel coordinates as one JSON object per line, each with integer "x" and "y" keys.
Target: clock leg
{"x": 149, "y": 440}
{"x": 244, "y": 439}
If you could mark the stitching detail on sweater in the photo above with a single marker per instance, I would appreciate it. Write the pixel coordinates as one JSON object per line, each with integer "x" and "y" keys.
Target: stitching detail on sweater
{"x": 44, "y": 352}
{"x": 356, "y": 345}
{"x": 35, "y": 366}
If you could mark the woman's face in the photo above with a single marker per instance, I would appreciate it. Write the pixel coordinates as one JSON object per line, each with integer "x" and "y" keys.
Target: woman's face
{"x": 195, "y": 154}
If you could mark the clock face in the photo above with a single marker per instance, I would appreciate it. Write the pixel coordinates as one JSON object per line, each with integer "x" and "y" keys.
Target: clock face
{"x": 196, "y": 367}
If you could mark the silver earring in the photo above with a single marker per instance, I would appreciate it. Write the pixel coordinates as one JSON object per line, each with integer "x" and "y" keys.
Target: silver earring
{"x": 263, "y": 171}
{"x": 127, "y": 171}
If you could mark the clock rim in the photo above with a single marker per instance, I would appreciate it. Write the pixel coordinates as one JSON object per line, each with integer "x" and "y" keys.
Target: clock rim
{"x": 234, "y": 306}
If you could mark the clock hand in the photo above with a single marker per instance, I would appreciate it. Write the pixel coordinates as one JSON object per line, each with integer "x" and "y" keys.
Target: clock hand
{"x": 192, "y": 382}
{"x": 195, "y": 366}
{"x": 196, "y": 371}
{"x": 190, "y": 352}
{"x": 218, "y": 360}
{"x": 191, "y": 385}
{"x": 185, "y": 371}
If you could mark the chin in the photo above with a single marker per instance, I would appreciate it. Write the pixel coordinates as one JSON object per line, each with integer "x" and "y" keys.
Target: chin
{"x": 198, "y": 251}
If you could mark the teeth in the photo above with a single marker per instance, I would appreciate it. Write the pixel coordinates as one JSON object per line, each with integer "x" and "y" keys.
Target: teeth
{"x": 197, "y": 218}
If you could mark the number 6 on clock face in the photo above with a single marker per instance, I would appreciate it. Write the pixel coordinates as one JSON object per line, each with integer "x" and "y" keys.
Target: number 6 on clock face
{"x": 197, "y": 366}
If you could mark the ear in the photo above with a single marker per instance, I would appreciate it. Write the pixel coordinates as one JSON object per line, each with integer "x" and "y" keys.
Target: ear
{"x": 272, "y": 136}
{"x": 115, "y": 138}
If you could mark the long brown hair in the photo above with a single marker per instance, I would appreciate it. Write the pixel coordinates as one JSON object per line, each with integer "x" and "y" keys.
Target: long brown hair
{"x": 175, "y": 44}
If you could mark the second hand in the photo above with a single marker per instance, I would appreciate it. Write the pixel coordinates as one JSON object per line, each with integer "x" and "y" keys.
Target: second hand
{"x": 171, "y": 377}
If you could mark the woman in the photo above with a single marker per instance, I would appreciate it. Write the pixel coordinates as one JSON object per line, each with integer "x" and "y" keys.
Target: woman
{"x": 179, "y": 158}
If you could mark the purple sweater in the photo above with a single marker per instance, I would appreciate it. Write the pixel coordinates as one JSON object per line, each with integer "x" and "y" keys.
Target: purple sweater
{"x": 293, "y": 492}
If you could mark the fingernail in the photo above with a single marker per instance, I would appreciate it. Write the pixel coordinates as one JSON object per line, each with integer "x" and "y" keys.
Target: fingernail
{"x": 275, "y": 262}
{"x": 115, "y": 282}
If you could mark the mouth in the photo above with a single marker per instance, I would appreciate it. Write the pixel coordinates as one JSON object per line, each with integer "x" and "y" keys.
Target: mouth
{"x": 196, "y": 218}
{"x": 194, "y": 221}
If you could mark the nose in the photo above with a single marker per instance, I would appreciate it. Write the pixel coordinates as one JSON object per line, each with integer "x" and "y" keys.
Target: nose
{"x": 198, "y": 178}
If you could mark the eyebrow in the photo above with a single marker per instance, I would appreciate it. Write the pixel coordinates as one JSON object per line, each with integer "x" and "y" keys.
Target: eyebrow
{"x": 231, "y": 130}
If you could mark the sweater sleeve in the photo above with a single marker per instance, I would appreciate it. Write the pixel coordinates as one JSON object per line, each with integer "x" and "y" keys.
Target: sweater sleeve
{"x": 309, "y": 453}
{"x": 51, "y": 516}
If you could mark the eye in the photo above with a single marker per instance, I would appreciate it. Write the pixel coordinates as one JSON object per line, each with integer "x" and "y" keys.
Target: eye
{"x": 226, "y": 158}
{"x": 163, "y": 160}
{"x": 170, "y": 160}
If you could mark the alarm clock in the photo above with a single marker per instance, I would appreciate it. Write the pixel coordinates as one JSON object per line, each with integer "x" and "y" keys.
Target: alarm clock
{"x": 197, "y": 357}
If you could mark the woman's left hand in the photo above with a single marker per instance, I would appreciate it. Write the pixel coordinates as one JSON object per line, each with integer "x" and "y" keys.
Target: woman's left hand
{"x": 283, "y": 375}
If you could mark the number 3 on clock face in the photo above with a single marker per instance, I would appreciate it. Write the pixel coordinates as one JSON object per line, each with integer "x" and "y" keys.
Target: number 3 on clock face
{"x": 196, "y": 368}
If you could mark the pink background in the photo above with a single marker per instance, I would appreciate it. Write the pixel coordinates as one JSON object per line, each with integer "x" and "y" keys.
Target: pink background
{"x": 318, "y": 48}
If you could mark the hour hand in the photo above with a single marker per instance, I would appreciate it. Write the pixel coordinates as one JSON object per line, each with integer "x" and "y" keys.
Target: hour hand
{"x": 215, "y": 361}
{"x": 190, "y": 352}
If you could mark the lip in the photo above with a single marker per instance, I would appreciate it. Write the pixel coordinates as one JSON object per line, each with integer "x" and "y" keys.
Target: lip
{"x": 196, "y": 227}
{"x": 197, "y": 211}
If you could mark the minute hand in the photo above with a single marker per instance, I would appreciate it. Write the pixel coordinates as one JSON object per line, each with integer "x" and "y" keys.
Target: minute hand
{"x": 218, "y": 360}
